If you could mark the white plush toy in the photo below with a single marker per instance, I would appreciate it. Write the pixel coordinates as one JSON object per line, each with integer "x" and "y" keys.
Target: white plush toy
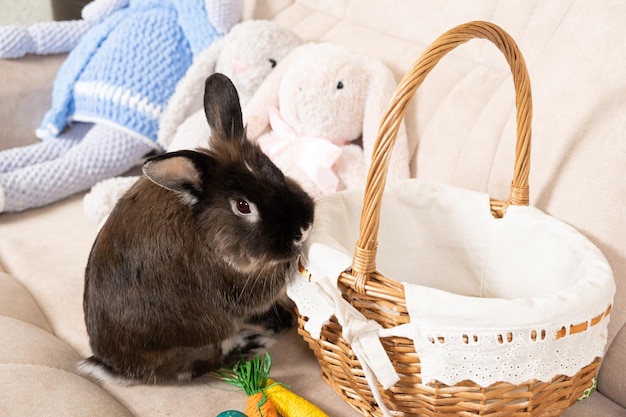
{"x": 317, "y": 115}
{"x": 247, "y": 54}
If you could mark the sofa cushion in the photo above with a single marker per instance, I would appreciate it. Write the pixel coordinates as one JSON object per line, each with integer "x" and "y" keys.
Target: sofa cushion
{"x": 36, "y": 390}
{"x": 17, "y": 303}
{"x": 596, "y": 406}
{"x": 46, "y": 250}
{"x": 461, "y": 127}
{"x": 37, "y": 368}
{"x": 26, "y": 95}
{"x": 27, "y": 344}
{"x": 612, "y": 382}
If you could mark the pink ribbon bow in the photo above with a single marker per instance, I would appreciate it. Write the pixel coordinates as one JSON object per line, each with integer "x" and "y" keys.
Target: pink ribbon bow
{"x": 314, "y": 155}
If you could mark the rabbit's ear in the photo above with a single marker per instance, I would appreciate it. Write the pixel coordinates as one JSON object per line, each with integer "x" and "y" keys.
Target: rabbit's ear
{"x": 182, "y": 172}
{"x": 223, "y": 110}
{"x": 380, "y": 92}
{"x": 188, "y": 95}
{"x": 256, "y": 111}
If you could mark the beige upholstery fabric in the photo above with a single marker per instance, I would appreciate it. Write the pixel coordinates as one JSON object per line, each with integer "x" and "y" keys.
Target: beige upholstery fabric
{"x": 461, "y": 130}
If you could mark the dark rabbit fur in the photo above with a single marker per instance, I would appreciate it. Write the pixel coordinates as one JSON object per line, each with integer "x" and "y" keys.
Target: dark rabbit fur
{"x": 196, "y": 251}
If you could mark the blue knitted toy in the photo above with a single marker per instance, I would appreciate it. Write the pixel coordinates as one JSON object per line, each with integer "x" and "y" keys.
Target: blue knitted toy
{"x": 125, "y": 61}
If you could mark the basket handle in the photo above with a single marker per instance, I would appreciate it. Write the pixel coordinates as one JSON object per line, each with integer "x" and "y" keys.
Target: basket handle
{"x": 364, "y": 259}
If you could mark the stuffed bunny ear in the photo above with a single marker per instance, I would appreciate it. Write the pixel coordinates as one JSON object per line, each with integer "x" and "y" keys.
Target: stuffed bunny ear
{"x": 189, "y": 93}
{"x": 255, "y": 113}
{"x": 381, "y": 89}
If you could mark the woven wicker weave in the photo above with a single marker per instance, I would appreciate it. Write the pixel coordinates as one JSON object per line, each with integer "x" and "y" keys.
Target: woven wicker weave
{"x": 382, "y": 299}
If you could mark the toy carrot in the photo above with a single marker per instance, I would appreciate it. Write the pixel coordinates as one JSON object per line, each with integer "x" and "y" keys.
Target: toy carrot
{"x": 251, "y": 377}
{"x": 289, "y": 404}
{"x": 266, "y": 396}
{"x": 260, "y": 406}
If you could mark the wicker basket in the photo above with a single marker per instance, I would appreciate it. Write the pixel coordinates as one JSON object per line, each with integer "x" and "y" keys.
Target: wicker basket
{"x": 382, "y": 299}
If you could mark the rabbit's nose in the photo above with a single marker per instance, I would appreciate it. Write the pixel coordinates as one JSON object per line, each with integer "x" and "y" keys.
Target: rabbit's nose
{"x": 239, "y": 66}
{"x": 302, "y": 235}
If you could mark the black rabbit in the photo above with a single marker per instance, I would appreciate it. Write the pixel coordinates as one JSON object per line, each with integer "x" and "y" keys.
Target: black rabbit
{"x": 193, "y": 256}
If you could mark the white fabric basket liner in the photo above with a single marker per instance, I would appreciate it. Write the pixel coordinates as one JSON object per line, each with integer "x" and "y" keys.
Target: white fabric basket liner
{"x": 486, "y": 296}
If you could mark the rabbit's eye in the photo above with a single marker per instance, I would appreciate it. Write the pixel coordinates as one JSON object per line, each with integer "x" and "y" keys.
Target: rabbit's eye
{"x": 339, "y": 85}
{"x": 245, "y": 209}
{"x": 243, "y": 206}
{"x": 272, "y": 62}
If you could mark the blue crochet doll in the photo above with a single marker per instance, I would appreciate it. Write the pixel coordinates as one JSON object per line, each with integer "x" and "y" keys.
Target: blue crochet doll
{"x": 125, "y": 61}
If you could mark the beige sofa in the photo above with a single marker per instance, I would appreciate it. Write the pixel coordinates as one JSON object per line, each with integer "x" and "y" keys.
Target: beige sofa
{"x": 461, "y": 130}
